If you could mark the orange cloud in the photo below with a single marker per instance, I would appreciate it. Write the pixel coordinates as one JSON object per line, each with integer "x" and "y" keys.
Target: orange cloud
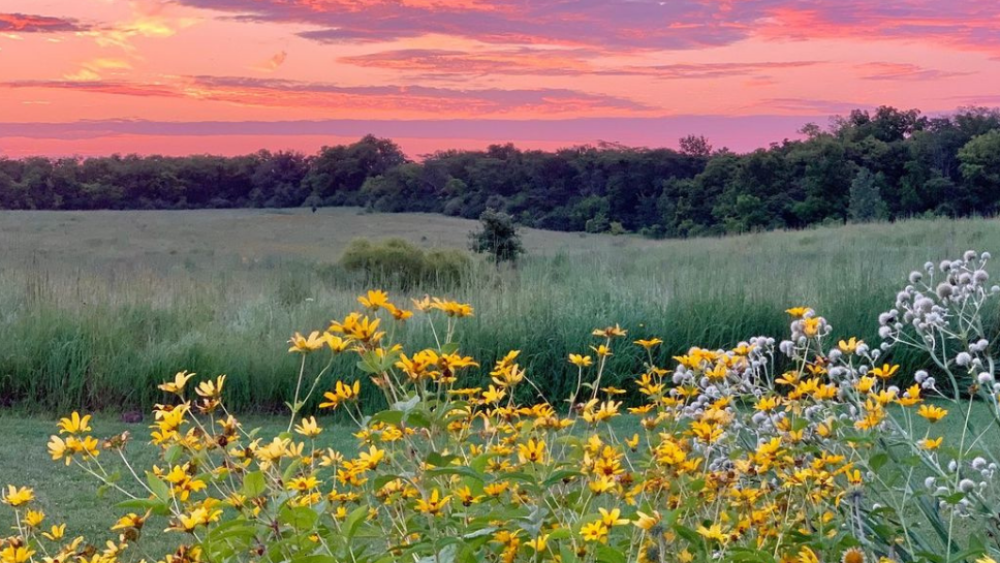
{"x": 962, "y": 24}
{"x": 272, "y": 64}
{"x": 147, "y": 19}
{"x": 96, "y": 68}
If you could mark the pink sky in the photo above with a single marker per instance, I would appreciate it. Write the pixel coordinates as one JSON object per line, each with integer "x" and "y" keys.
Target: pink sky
{"x": 231, "y": 76}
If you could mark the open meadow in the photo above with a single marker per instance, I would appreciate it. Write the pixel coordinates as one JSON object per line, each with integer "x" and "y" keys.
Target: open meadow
{"x": 101, "y": 308}
{"x": 96, "y": 307}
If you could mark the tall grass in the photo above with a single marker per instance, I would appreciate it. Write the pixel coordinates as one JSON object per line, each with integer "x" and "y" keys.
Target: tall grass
{"x": 89, "y": 332}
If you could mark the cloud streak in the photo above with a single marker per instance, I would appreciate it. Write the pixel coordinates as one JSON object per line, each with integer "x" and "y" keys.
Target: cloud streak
{"x": 26, "y": 23}
{"x": 677, "y": 24}
{"x": 615, "y": 25}
{"x": 904, "y": 71}
{"x": 440, "y": 63}
{"x": 294, "y": 94}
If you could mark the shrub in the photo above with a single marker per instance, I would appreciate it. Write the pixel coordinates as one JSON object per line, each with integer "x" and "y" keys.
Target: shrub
{"x": 725, "y": 460}
{"x": 498, "y": 238}
{"x": 399, "y": 264}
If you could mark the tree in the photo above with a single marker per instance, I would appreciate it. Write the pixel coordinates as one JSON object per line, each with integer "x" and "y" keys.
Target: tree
{"x": 498, "y": 237}
{"x": 866, "y": 204}
{"x": 696, "y": 145}
{"x": 980, "y": 168}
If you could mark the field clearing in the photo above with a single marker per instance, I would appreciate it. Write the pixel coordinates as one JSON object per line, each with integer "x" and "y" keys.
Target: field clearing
{"x": 81, "y": 238}
{"x": 97, "y": 307}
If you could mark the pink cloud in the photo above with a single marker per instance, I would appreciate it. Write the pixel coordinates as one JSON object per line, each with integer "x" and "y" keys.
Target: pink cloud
{"x": 803, "y": 106}
{"x": 548, "y": 62}
{"x": 904, "y": 71}
{"x": 414, "y": 99}
{"x": 614, "y": 25}
{"x": 963, "y": 24}
{"x": 25, "y": 23}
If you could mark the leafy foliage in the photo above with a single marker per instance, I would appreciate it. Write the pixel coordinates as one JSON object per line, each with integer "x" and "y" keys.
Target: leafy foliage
{"x": 866, "y": 203}
{"x": 498, "y": 238}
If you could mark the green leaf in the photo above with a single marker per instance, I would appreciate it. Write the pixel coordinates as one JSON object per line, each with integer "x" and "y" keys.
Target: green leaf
{"x": 438, "y": 460}
{"x": 354, "y": 520}
{"x": 406, "y": 406}
{"x": 388, "y": 417}
{"x": 484, "y": 532}
{"x": 418, "y": 418}
{"x": 446, "y": 555}
{"x": 290, "y": 470}
{"x": 254, "y": 484}
{"x": 568, "y": 555}
{"x": 298, "y": 517}
{"x": 173, "y": 454}
{"x": 609, "y": 555}
{"x": 160, "y": 489}
{"x": 878, "y": 461}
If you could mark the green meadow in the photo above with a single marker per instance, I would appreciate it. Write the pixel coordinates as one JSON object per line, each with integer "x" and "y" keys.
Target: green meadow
{"x": 98, "y": 307}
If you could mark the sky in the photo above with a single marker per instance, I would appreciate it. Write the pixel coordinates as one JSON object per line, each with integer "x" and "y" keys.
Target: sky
{"x": 92, "y": 77}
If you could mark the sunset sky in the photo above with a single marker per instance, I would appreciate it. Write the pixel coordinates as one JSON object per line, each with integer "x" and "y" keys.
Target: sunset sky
{"x": 232, "y": 76}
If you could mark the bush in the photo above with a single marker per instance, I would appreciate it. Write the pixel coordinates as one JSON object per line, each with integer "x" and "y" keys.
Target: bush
{"x": 498, "y": 237}
{"x": 399, "y": 264}
{"x": 726, "y": 459}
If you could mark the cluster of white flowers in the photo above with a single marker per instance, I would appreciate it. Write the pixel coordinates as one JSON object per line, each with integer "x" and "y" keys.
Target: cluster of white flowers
{"x": 940, "y": 311}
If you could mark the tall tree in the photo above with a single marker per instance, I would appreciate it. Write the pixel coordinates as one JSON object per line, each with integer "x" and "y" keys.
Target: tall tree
{"x": 866, "y": 204}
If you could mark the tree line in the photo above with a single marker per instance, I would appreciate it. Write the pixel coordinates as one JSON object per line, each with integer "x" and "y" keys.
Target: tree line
{"x": 868, "y": 165}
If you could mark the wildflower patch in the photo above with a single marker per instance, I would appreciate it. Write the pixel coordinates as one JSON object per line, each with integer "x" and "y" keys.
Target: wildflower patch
{"x": 838, "y": 459}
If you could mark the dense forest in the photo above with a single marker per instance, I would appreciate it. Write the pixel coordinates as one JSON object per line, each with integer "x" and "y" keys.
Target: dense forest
{"x": 866, "y": 166}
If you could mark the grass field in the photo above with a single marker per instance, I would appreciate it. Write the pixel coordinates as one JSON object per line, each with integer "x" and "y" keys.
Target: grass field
{"x": 96, "y": 307}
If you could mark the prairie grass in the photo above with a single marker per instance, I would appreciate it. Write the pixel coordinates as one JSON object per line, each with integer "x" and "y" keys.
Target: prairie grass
{"x": 98, "y": 307}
